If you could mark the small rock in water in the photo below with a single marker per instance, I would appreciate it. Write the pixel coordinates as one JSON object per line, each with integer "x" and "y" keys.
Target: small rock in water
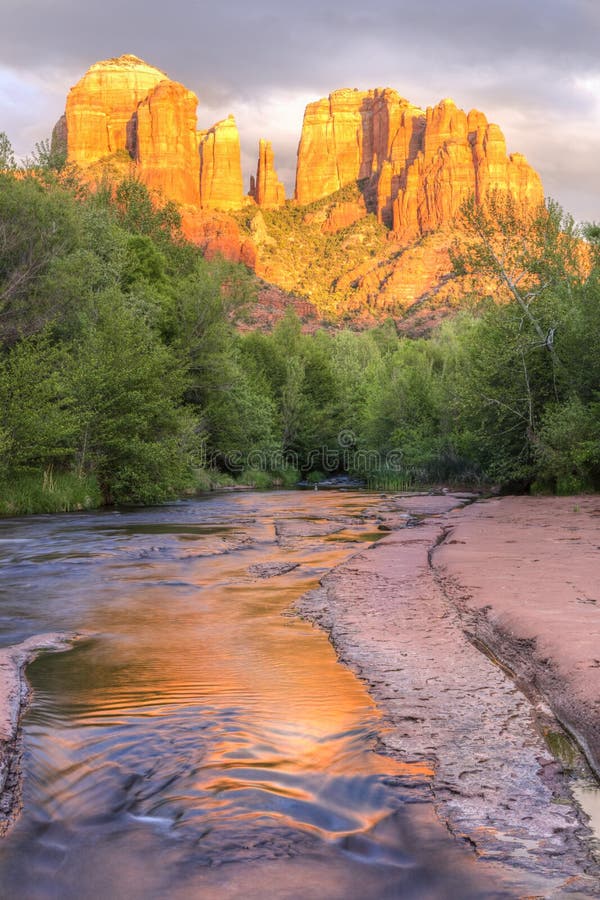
{"x": 271, "y": 570}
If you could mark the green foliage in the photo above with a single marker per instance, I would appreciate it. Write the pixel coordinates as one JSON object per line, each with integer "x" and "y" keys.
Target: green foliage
{"x": 310, "y": 259}
{"x": 47, "y": 157}
{"x": 38, "y": 227}
{"x": 140, "y": 213}
{"x": 125, "y": 379}
{"x": 7, "y": 154}
{"x": 256, "y": 478}
{"x": 37, "y": 420}
{"x": 209, "y": 480}
{"x": 126, "y": 387}
{"x": 48, "y": 492}
{"x": 96, "y": 376}
{"x": 568, "y": 454}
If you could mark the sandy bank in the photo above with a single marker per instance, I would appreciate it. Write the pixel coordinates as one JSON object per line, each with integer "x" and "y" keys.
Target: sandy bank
{"x": 13, "y": 698}
{"x": 496, "y": 785}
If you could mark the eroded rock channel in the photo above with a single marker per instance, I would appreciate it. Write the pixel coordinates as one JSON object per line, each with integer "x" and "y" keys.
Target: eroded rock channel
{"x": 202, "y": 740}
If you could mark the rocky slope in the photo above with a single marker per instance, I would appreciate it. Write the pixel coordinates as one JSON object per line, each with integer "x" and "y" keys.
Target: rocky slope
{"x": 379, "y": 183}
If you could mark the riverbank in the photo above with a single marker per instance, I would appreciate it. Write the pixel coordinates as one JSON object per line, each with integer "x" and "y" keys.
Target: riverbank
{"x": 524, "y": 572}
{"x": 403, "y": 615}
{"x": 14, "y": 694}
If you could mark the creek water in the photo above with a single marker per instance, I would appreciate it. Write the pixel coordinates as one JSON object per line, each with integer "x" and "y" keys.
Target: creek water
{"x": 201, "y": 740}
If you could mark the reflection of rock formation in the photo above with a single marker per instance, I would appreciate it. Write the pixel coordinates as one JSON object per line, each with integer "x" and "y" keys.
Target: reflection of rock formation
{"x": 418, "y": 167}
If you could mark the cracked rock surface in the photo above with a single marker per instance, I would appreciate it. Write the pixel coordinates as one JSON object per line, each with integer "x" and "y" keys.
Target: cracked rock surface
{"x": 496, "y": 785}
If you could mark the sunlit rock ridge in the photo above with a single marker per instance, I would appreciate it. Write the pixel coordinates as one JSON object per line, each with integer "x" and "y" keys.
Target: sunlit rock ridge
{"x": 412, "y": 168}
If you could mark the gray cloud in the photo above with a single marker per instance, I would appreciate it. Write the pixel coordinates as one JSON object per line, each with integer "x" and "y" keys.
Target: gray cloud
{"x": 521, "y": 62}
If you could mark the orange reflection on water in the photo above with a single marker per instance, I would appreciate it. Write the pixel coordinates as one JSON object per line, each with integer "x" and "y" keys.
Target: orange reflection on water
{"x": 254, "y": 702}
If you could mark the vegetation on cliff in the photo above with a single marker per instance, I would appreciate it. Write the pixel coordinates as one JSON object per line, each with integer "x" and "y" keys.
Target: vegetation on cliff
{"x": 124, "y": 376}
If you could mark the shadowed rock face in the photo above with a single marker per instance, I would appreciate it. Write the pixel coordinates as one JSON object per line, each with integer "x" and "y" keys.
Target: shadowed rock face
{"x": 350, "y": 136}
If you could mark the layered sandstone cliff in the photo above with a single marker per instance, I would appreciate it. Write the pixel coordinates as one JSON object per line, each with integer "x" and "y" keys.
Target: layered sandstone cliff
{"x": 100, "y": 112}
{"x": 416, "y": 167}
{"x": 412, "y": 168}
{"x": 166, "y": 148}
{"x": 221, "y": 184}
{"x": 125, "y": 106}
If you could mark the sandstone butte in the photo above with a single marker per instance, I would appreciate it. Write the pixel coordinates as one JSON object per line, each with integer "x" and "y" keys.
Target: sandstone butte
{"x": 414, "y": 168}
{"x": 125, "y": 106}
{"x": 417, "y": 166}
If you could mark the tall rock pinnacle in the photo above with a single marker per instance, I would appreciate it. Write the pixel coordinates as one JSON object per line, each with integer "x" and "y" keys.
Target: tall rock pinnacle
{"x": 268, "y": 191}
{"x": 221, "y": 184}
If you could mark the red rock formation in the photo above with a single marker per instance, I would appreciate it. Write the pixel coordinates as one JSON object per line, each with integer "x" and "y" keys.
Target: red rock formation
{"x": 268, "y": 190}
{"x": 166, "y": 142}
{"x": 101, "y": 108}
{"x": 420, "y": 166}
{"x": 216, "y": 233}
{"x": 415, "y": 168}
{"x": 350, "y": 135}
{"x": 126, "y": 105}
{"x": 221, "y": 185}
{"x": 461, "y": 155}
{"x": 342, "y": 215}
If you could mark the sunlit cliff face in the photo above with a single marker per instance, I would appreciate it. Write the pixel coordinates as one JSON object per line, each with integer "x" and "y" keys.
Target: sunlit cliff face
{"x": 418, "y": 166}
{"x": 414, "y": 169}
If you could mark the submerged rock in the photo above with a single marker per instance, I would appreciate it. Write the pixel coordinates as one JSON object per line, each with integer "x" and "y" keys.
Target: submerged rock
{"x": 271, "y": 570}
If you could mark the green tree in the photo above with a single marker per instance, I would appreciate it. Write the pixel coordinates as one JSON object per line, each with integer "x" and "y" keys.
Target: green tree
{"x": 134, "y": 433}
{"x": 515, "y": 360}
{"x": 47, "y": 156}
{"x": 37, "y": 423}
{"x": 7, "y": 154}
{"x": 37, "y": 226}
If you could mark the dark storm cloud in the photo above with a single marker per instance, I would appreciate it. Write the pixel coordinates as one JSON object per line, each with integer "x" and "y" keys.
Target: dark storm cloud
{"x": 243, "y": 44}
{"x": 514, "y": 59}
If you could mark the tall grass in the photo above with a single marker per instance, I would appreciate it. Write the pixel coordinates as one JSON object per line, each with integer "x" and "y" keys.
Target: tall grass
{"x": 261, "y": 480}
{"x": 400, "y": 482}
{"x": 48, "y": 492}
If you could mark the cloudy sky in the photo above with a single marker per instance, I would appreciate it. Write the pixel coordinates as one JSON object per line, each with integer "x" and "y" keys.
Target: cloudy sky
{"x": 533, "y": 66}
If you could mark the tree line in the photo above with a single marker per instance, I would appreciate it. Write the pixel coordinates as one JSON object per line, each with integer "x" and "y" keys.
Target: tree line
{"x": 124, "y": 376}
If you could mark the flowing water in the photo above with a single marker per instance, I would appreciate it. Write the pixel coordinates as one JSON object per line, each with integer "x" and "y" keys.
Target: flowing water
{"x": 202, "y": 741}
